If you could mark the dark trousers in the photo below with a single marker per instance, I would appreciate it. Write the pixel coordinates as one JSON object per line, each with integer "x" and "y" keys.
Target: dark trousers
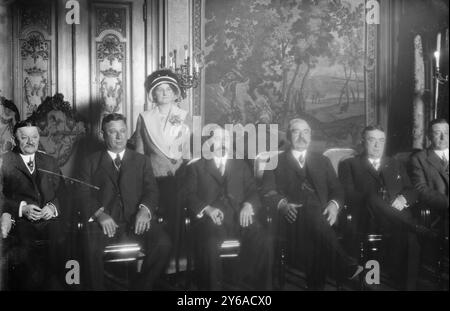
{"x": 255, "y": 258}
{"x": 155, "y": 243}
{"x": 313, "y": 239}
{"x": 169, "y": 204}
{"x": 403, "y": 248}
{"x": 36, "y": 251}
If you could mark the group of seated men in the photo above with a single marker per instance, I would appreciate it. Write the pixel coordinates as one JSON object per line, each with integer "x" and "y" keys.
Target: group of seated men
{"x": 225, "y": 203}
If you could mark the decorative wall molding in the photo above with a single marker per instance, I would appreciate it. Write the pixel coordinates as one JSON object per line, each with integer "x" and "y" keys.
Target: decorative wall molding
{"x": 35, "y": 50}
{"x": 111, "y": 49}
{"x": 111, "y": 41}
{"x": 37, "y": 15}
{"x": 36, "y": 70}
{"x": 111, "y": 19}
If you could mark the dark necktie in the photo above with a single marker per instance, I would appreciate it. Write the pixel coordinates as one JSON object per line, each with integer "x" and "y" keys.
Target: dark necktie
{"x": 301, "y": 160}
{"x": 117, "y": 162}
{"x": 30, "y": 165}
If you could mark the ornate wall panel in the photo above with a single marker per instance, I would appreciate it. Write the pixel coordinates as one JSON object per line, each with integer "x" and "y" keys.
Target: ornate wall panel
{"x": 110, "y": 46}
{"x": 35, "y": 49}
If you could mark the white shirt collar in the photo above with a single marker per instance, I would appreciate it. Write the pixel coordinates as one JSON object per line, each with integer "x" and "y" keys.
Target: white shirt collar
{"x": 297, "y": 153}
{"x": 377, "y": 164}
{"x": 441, "y": 153}
{"x": 113, "y": 155}
{"x": 220, "y": 160}
{"x": 27, "y": 157}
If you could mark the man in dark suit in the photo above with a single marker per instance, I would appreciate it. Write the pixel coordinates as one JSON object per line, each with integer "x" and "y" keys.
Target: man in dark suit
{"x": 305, "y": 191}
{"x": 124, "y": 207}
{"x": 224, "y": 204}
{"x": 429, "y": 170}
{"x": 380, "y": 193}
{"x": 31, "y": 201}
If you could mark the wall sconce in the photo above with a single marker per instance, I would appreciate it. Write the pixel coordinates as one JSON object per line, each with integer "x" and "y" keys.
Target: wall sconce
{"x": 441, "y": 79}
{"x": 188, "y": 72}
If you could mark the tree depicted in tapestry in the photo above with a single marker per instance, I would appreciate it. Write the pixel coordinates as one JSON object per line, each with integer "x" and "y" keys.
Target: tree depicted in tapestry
{"x": 271, "y": 61}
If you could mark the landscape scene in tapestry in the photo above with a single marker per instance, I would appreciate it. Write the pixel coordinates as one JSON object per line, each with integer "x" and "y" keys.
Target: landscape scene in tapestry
{"x": 270, "y": 61}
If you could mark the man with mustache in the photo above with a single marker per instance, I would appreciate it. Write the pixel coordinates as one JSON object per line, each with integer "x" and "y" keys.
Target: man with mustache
{"x": 304, "y": 190}
{"x": 223, "y": 201}
{"x": 32, "y": 202}
{"x": 380, "y": 193}
{"x": 123, "y": 209}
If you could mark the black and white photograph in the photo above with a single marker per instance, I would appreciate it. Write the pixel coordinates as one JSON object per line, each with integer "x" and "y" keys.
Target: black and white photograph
{"x": 251, "y": 148}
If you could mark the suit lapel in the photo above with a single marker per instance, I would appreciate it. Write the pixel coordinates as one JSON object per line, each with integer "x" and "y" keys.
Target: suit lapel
{"x": 40, "y": 163}
{"x": 369, "y": 167}
{"x": 126, "y": 169}
{"x": 21, "y": 166}
{"x": 387, "y": 173}
{"x": 434, "y": 161}
{"x": 313, "y": 167}
{"x": 107, "y": 165}
{"x": 210, "y": 167}
{"x": 293, "y": 162}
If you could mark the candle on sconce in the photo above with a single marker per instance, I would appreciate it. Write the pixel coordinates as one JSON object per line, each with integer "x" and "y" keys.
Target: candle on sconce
{"x": 437, "y": 54}
{"x": 196, "y": 67}
{"x": 170, "y": 60}
{"x": 185, "y": 52}
{"x": 438, "y": 42}
{"x": 175, "y": 59}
